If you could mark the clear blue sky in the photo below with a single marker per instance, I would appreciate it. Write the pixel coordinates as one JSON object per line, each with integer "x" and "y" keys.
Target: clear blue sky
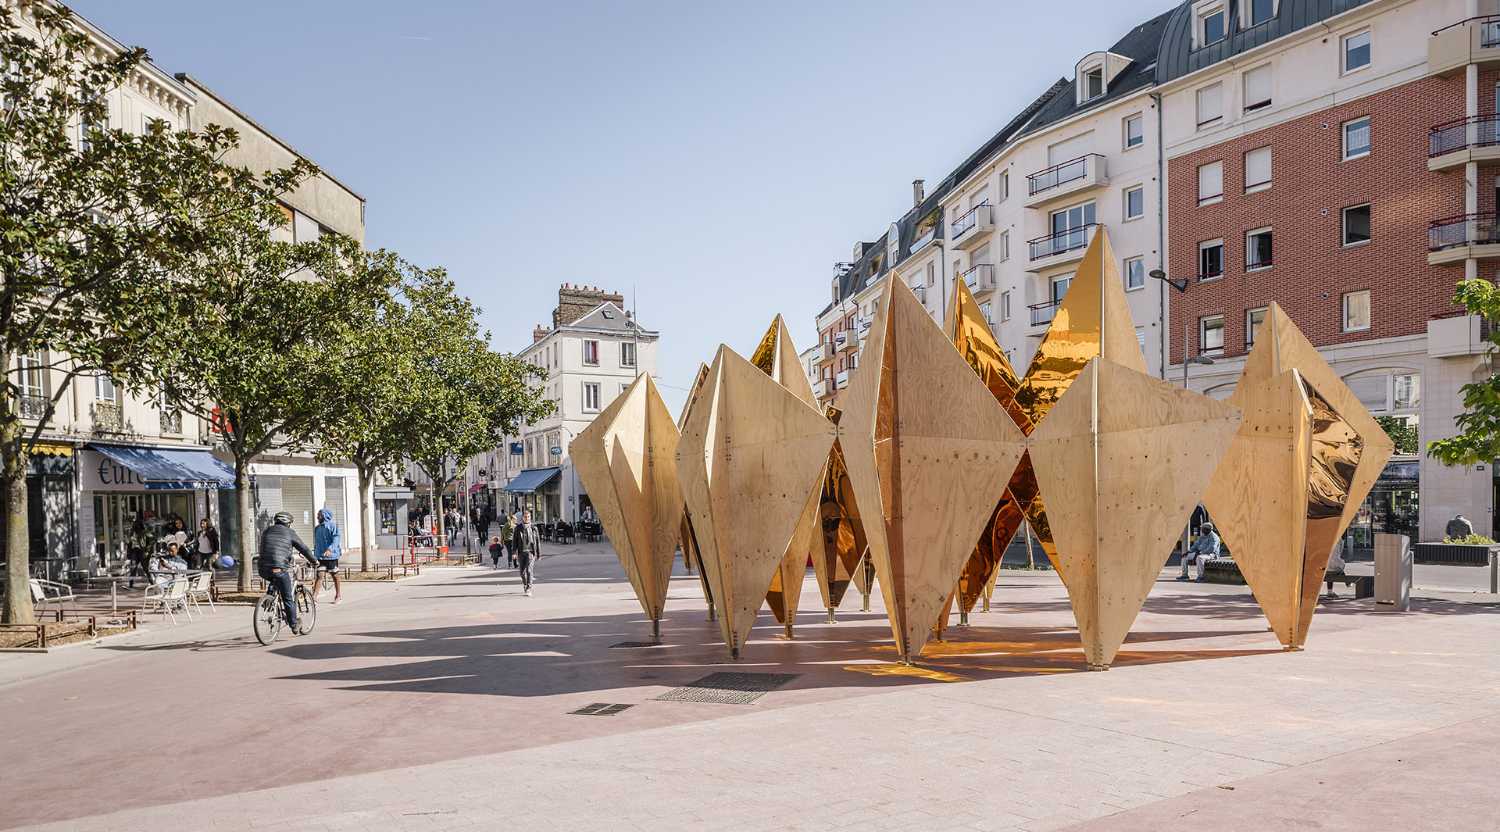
{"x": 715, "y": 159}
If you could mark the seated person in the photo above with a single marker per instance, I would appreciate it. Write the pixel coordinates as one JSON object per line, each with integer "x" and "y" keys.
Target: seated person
{"x": 1203, "y": 550}
{"x": 165, "y": 567}
{"x": 1335, "y": 566}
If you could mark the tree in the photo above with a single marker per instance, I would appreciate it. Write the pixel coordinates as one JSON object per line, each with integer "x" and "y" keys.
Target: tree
{"x": 1478, "y": 440}
{"x": 1402, "y": 431}
{"x": 95, "y": 223}
{"x": 268, "y": 319}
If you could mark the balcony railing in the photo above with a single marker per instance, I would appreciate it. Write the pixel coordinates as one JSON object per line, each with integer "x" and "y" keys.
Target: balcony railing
{"x": 842, "y": 379}
{"x": 33, "y": 406}
{"x": 1042, "y": 313}
{"x": 921, "y": 242}
{"x": 108, "y": 417}
{"x": 1463, "y": 230}
{"x": 1061, "y": 241}
{"x": 171, "y": 422}
{"x": 978, "y": 215}
{"x": 1480, "y": 131}
{"x": 1059, "y": 174}
{"x": 980, "y": 277}
{"x": 840, "y": 339}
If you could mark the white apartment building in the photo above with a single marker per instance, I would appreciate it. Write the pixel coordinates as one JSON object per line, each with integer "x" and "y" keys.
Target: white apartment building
{"x": 593, "y": 351}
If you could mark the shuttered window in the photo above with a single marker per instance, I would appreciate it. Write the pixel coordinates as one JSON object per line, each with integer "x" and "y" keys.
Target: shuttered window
{"x": 1210, "y": 104}
{"x": 1258, "y": 88}
{"x": 1210, "y": 182}
{"x": 1258, "y": 169}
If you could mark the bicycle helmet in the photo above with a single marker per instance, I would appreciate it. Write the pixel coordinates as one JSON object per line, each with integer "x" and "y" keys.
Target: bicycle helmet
{"x": 283, "y": 519}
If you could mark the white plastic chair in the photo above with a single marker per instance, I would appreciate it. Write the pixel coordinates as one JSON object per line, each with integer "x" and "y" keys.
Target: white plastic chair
{"x": 44, "y": 592}
{"x": 168, "y": 598}
{"x": 200, "y": 586}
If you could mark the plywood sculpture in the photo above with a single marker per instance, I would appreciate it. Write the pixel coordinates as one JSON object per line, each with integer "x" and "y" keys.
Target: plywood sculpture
{"x": 692, "y": 559}
{"x": 776, "y": 356}
{"x": 626, "y": 459}
{"x": 1305, "y": 457}
{"x": 836, "y": 561}
{"x": 751, "y": 457}
{"x": 929, "y": 451}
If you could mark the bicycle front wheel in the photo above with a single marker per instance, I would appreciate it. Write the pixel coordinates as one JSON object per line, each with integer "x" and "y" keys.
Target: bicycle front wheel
{"x": 307, "y": 610}
{"x": 267, "y": 618}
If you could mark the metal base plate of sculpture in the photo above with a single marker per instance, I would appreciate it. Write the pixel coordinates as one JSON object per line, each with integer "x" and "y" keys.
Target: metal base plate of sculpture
{"x": 626, "y": 459}
{"x": 751, "y": 459}
{"x": 929, "y": 452}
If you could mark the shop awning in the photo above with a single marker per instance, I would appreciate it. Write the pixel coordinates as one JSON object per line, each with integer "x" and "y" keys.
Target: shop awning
{"x": 532, "y": 480}
{"x": 171, "y": 468}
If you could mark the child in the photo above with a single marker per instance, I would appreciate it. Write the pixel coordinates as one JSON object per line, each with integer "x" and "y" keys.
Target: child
{"x": 496, "y": 551}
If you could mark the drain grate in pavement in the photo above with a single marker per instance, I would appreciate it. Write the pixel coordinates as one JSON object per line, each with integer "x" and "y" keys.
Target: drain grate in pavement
{"x": 636, "y": 644}
{"x": 600, "y": 709}
{"x": 728, "y": 688}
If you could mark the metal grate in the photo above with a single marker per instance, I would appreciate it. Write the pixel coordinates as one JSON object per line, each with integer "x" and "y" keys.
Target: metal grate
{"x": 636, "y": 644}
{"x": 600, "y": 709}
{"x": 728, "y": 688}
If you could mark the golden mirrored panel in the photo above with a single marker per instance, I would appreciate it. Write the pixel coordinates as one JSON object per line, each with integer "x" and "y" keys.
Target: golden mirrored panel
{"x": 626, "y": 459}
{"x": 929, "y": 451}
{"x": 691, "y": 558}
{"x": 750, "y": 461}
{"x": 835, "y": 564}
{"x": 1132, "y": 453}
{"x": 1334, "y": 452}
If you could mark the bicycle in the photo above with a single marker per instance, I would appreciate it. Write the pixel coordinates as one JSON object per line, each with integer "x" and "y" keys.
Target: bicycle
{"x": 270, "y": 614}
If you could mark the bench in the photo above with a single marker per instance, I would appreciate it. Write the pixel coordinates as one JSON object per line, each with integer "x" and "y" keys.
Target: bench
{"x": 1364, "y": 585}
{"x": 1226, "y": 571}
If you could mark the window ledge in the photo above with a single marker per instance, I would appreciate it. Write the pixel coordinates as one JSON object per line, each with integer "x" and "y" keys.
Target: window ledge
{"x": 1360, "y": 244}
{"x": 1357, "y": 329}
{"x": 1254, "y": 269}
{"x": 1257, "y": 188}
{"x": 1348, "y": 72}
{"x": 1135, "y": 288}
{"x": 1356, "y": 156}
{"x": 1211, "y": 122}
{"x": 1134, "y": 219}
{"x": 1213, "y": 200}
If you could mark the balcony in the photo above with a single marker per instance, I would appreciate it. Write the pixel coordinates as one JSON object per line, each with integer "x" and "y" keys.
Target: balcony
{"x": 33, "y": 406}
{"x": 820, "y": 389}
{"x": 920, "y": 292}
{"x": 1065, "y": 246}
{"x": 171, "y": 423}
{"x": 922, "y": 241}
{"x": 1065, "y": 179}
{"x": 1462, "y": 237}
{"x": 108, "y": 417}
{"x": 841, "y": 339}
{"x": 842, "y": 379}
{"x": 1472, "y": 41}
{"x": 980, "y": 278}
{"x": 972, "y": 228}
{"x": 1042, "y": 313}
{"x": 1455, "y": 143}
{"x": 1457, "y": 334}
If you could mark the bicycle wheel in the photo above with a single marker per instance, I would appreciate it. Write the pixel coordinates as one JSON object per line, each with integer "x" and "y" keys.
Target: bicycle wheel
{"x": 267, "y": 618}
{"x": 307, "y": 610}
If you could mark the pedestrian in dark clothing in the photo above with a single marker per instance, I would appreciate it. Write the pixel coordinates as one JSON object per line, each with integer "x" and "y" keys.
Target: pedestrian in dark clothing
{"x": 496, "y": 551}
{"x": 527, "y": 545}
{"x": 137, "y": 545}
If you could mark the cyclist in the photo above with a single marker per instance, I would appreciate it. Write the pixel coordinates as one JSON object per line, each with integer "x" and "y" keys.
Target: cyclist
{"x": 276, "y": 560}
{"x": 326, "y": 545}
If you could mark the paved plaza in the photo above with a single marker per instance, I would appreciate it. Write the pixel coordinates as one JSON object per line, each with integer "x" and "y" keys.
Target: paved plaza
{"x": 443, "y": 702}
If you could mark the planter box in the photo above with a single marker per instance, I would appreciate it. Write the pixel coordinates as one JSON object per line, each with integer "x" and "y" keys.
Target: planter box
{"x": 1453, "y": 554}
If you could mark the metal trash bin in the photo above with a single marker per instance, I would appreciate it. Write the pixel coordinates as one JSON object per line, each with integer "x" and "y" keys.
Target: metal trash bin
{"x": 1392, "y": 572}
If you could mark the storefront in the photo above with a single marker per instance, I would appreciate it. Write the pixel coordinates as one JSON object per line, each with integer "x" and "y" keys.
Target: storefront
{"x": 536, "y": 490}
{"x": 51, "y": 516}
{"x": 392, "y": 507}
{"x": 122, "y": 484}
{"x": 1393, "y": 507}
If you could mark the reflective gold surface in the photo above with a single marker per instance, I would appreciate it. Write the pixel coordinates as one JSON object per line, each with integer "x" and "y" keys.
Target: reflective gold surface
{"x": 1335, "y": 449}
{"x": 764, "y": 356}
{"x": 843, "y": 534}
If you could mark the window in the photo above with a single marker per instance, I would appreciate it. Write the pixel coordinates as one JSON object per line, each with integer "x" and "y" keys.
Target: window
{"x": 1140, "y": 337}
{"x": 1212, "y": 25}
{"x": 1406, "y": 391}
{"x": 1135, "y": 202}
{"x": 1259, "y": 11}
{"x": 1254, "y": 318}
{"x": 33, "y": 377}
{"x": 1258, "y": 88}
{"x": 590, "y": 396}
{"x": 1060, "y": 288}
{"x": 1093, "y": 83}
{"x": 1210, "y": 260}
{"x": 1357, "y": 311}
{"x": 987, "y": 309}
{"x": 1357, "y": 51}
{"x": 591, "y": 353}
{"x": 1005, "y": 305}
{"x": 1135, "y": 273}
{"x": 1357, "y": 138}
{"x": 1002, "y": 247}
{"x": 1211, "y": 334}
{"x": 104, "y": 389}
{"x": 623, "y": 388}
{"x": 1356, "y": 225}
{"x": 1004, "y": 185}
{"x": 931, "y": 273}
{"x": 627, "y": 354}
{"x": 1258, "y": 169}
{"x": 835, "y": 290}
{"x": 1210, "y": 104}
{"x": 1258, "y": 249}
{"x": 1210, "y": 182}
{"x": 1135, "y": 131}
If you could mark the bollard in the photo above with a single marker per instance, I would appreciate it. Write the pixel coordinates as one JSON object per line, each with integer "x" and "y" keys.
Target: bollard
{"x": 1494, "y": 572}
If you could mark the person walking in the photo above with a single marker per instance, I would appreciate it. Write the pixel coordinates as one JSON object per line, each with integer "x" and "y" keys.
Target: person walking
{"x": 1203, "y": 550}
{"x": 526, "y": 544}
{"x": 497, "y": 552}
{"x": 138, "y": 546}
{"x": 207, "y": 549}
{"x": 507, "y": 542}
{"x": 327, "y": 547}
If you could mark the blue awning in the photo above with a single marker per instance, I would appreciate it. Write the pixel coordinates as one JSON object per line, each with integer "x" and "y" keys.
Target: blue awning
{"x": 171, "y": 468}
{"x": 532, "y": 479}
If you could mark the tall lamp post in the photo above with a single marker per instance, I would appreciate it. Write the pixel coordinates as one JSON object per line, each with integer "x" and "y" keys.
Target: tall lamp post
{"x": 1181, "y": 285}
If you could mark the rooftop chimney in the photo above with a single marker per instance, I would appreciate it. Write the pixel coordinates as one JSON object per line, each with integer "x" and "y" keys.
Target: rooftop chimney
{"x": 918, "y": 192}
{"x": 539, "y": 332}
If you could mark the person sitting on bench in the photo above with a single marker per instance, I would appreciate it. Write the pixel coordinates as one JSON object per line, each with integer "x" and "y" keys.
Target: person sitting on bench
{"x": 1203, "y": 550}
{"x": 1335, "y": 566}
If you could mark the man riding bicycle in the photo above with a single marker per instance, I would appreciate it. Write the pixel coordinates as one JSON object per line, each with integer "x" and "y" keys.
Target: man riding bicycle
{"x": 276, "y": 560}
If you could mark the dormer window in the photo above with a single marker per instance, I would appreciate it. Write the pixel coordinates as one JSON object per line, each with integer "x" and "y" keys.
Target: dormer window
{"x": 835, "y": 290}
{"x": 1093, "y": 83}
{"x": 1212, "y": 23}
{"x": 1258, "y": 11}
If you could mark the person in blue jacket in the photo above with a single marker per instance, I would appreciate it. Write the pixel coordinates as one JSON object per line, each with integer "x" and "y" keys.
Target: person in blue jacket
{"x": 327, "y": 546}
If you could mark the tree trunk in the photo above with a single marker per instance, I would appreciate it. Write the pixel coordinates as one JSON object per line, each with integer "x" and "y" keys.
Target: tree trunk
{"x": 18, "y": 608}
{"x": 366, "y": 537}
{"x": 243, "y": 499}
{"x": 437, "y": 512}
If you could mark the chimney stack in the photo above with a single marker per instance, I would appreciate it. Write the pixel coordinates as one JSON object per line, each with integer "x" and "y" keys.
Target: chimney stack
{"x": 539, "y": 332}
{"x": 918, "y": 192}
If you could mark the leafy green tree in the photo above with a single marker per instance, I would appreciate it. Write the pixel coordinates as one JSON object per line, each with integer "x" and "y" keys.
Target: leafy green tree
{"x": 94, "y": 222}
{"x": 1402, "y": 431}
{"x": 1478, "y": 440}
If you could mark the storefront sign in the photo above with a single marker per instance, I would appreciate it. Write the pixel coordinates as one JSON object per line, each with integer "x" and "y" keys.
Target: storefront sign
{"x": 98, "y": 472}
{"x": 517, "y": 449}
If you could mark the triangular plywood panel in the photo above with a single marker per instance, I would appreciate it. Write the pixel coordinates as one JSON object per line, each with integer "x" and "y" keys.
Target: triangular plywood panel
{"x": 750, "y": 456}
{"x": 1135, "y": 453}
{"x": 929, "y": 451}
{"x": 691, "y": 557}
{"x": 626, "y": 459}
